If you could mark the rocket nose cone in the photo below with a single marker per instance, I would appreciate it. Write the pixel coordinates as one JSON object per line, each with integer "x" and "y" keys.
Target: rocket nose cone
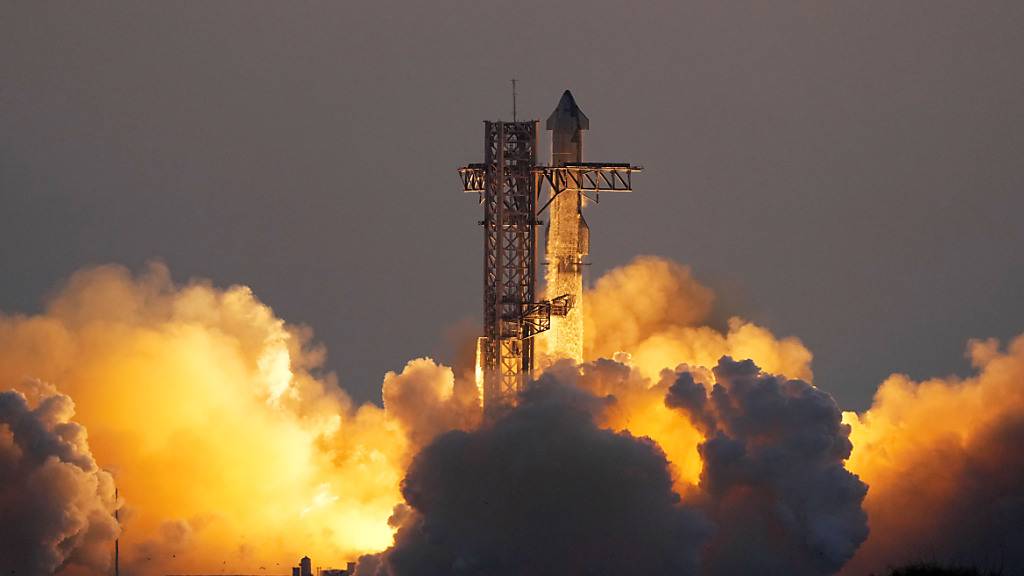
{"x": 567, "y": 102}
{"x": 567, "y": 115}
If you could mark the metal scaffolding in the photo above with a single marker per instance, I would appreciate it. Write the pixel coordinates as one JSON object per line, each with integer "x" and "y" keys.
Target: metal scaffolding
{"x": 512, "y": 316}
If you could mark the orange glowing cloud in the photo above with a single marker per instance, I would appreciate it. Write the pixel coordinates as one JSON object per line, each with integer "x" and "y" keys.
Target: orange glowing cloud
{"x": 229, "y": 445}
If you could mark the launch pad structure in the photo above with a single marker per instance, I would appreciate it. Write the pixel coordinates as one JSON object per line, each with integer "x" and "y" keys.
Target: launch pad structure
{"x": 509, "y": 182}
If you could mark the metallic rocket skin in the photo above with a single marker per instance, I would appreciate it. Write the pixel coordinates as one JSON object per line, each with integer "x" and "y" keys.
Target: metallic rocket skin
{"x": 568, "y": 236}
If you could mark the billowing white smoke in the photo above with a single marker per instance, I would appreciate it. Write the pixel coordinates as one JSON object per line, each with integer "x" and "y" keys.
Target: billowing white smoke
{"x": 774, "y": 480}
{"x": 546, "y": 489}
{"x": 427, "y": 400}
{"x": 755, "y": 463}
{"x": 233, "y": 449}
{"x": 944, "y": 461}
{"x": 654, "y": 311}
{"x": 57, "y": 506}
{"x": 542, "y": 491}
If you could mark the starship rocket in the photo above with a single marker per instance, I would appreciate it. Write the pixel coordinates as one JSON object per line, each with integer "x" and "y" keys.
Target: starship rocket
{"x": 568, "y": 237}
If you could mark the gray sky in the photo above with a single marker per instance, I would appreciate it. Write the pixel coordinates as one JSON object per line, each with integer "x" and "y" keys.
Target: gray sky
{"x": 850, "y": 173}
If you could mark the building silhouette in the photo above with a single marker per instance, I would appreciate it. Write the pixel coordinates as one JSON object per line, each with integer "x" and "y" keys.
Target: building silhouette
{"x": 305, "y": 568}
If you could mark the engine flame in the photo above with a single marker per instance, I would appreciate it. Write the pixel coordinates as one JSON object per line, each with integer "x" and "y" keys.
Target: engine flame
{"x": 478, "y": 367}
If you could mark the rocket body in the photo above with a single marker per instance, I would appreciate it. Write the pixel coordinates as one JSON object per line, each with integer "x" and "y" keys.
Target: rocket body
{"x": 568, "y": 237}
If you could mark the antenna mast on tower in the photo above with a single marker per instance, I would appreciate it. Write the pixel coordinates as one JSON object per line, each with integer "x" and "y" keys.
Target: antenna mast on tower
{"x": 513, "y": 99}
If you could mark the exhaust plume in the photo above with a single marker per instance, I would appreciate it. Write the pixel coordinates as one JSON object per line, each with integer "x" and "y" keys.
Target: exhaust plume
{"x": 548, "y": 489}
{"x": 231, "y": 448}
{"x": 773, "y": 477}
{"x": 543, "y": 490}
{"x": 653, "y": 310}
{"x": 940, "y": 457}
{"x": 944, "y": 462}
{"x": 650, "y": 316}
{"x": 428, "y": 400}
{"x": 57, "y": 505}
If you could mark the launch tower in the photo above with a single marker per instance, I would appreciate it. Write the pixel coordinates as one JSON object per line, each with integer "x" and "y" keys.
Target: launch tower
{"x": 508, "y": 183}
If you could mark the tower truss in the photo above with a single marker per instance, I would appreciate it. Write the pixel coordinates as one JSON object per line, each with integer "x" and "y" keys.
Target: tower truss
{"x": 512, "y": 316}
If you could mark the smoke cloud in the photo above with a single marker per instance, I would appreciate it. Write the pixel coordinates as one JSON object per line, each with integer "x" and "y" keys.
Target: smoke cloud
{"x": 231, "y": 447}
{"x": 651, "y": 317}
{"x": 549, "y": 489}
{"x": 542, "y": 491}
{"x": 637, "y": 405}
{"x": 446, "y": 526}
{"x": 773, "y": 477}
{"x": 279, "y": 462}
{"x": 943, "y": 459}
{"x": 57, "y": 505}
{"x": 655, "y": 312}
{"x": 234, "y": 450}
{"x": 428, "y": 400}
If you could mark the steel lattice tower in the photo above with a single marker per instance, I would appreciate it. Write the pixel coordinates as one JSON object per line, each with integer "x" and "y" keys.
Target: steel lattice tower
{"x": 510, "y": 202}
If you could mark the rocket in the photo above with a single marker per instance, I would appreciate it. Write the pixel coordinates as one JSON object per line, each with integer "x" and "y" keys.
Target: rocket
{"x": 568, "y": 236}
{"x": 567, "y": 124}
